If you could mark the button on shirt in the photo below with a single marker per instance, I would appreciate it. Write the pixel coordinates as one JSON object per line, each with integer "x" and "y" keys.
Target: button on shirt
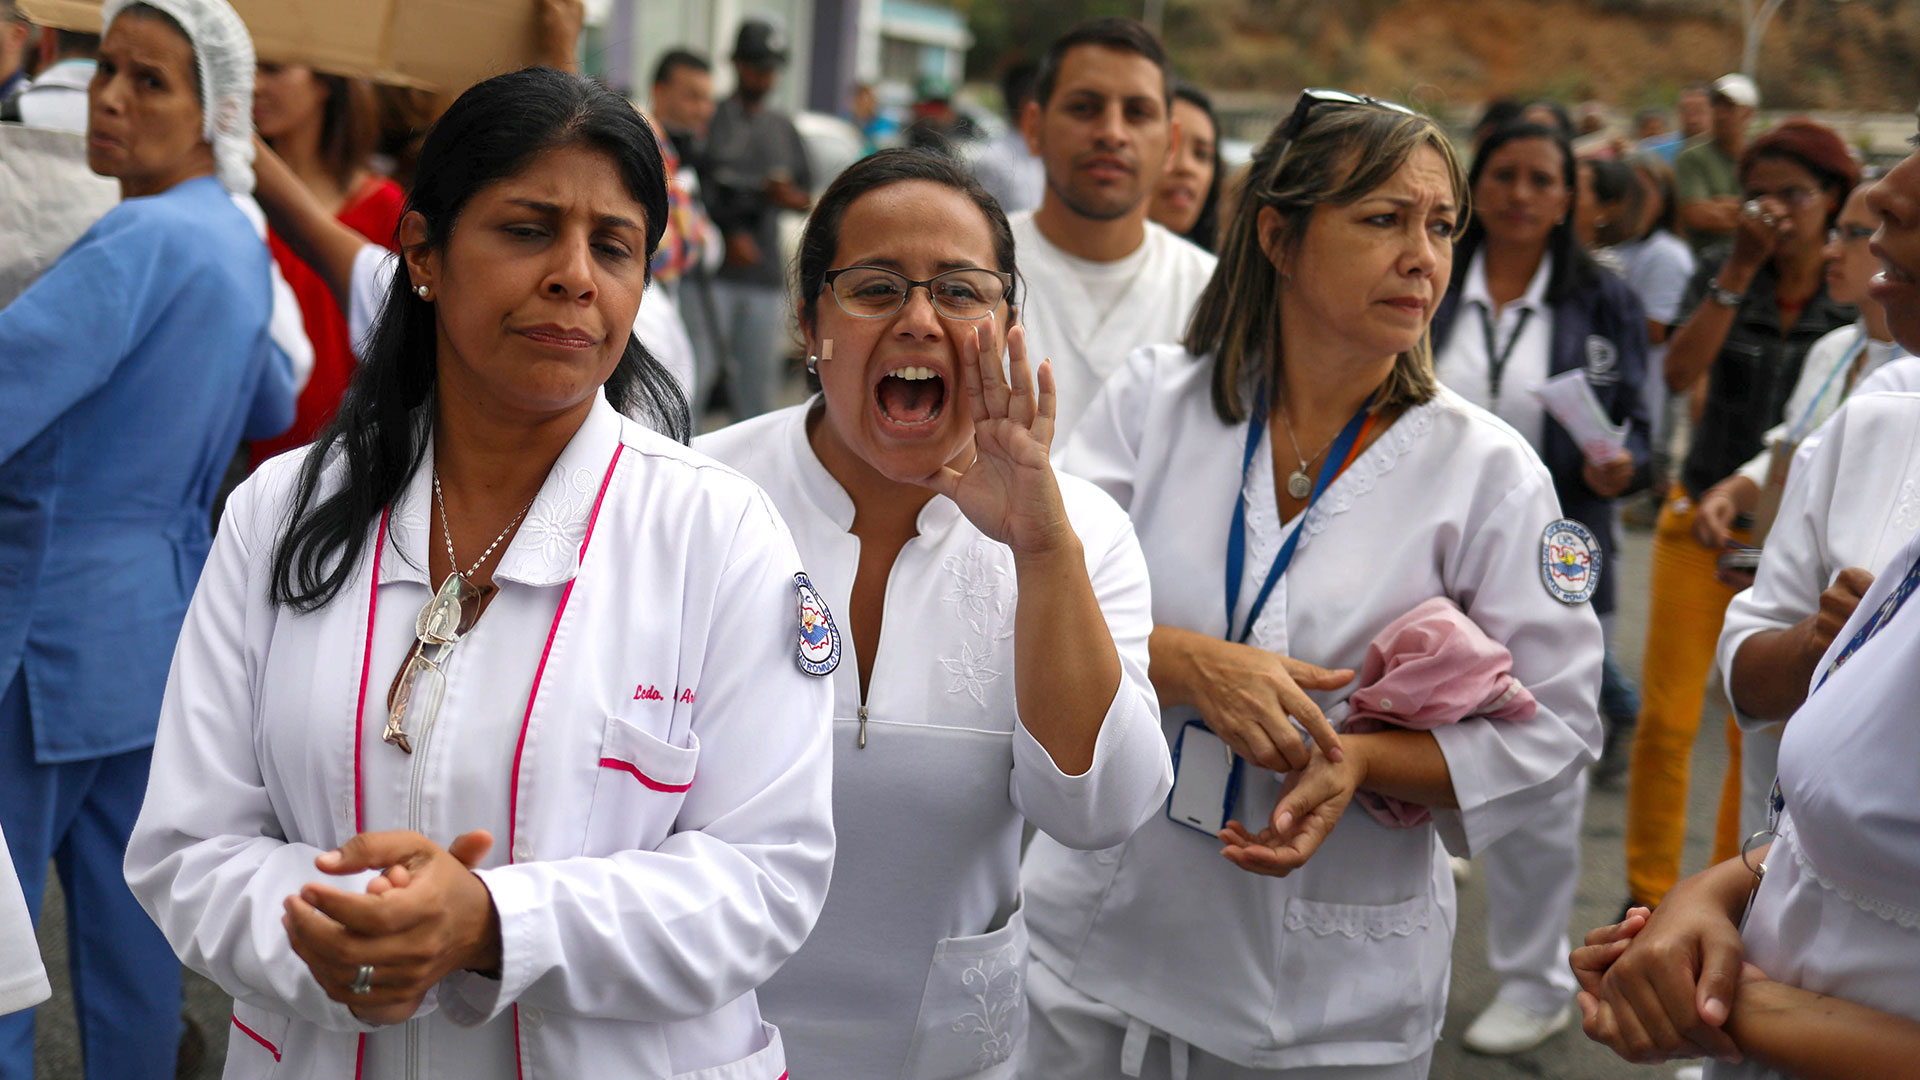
{"x": 1466, "y": 368}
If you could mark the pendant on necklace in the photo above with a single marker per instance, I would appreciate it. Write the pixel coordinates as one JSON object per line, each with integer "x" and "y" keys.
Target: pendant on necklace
{"x": 1298, "y": 485}
{"x": 451, "y": 613}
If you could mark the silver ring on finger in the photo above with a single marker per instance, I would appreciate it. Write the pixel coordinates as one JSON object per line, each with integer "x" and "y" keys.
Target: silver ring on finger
{"x": 362, "y": 980}
{"x": 1751, "y": 209}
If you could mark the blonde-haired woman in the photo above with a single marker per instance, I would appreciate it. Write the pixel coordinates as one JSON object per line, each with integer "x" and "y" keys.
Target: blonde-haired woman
{"x": 1297, "y": 454}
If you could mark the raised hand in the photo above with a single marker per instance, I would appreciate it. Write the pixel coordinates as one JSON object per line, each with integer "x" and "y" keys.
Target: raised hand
{"x": 1008, "y": 491}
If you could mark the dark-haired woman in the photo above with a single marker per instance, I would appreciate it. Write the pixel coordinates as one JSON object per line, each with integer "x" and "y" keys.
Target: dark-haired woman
{"x": 1529, "y": 304}
{"x": 485, "y": 752}
{"x": 127, "y": 372}
{"x": 994, "y": 622}
{"x": 1298, "y": 453}
{"x": 324, "y": 127}
{"x": 1751, "y": 314}
{"x": 1188, "y": 199}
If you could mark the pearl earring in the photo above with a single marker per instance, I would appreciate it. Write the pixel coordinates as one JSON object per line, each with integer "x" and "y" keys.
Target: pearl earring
{"x": 423, "y": 291}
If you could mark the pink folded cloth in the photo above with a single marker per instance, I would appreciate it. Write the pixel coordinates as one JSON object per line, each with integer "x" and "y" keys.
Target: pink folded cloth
{"x": 1429, "y": 667}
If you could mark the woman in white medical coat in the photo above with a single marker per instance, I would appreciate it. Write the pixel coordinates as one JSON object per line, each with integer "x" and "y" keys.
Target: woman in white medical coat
{"x": 1319, "y": 944}
{"x": 990, "y": 654}
{"x": 1798, "y": 959}
{"x": 579, "y": 830}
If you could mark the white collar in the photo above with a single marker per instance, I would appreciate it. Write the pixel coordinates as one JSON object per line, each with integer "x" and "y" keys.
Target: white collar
{"x": 1535, "y": 297}
{"x": 830, "y": 498}
{"x": 546, "y": 548}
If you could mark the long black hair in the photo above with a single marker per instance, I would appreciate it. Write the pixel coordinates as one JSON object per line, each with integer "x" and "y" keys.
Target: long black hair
{"x": 1574, "y": 270}
{"x": 1206, "y": 227}
{"x": 380, "y": 434}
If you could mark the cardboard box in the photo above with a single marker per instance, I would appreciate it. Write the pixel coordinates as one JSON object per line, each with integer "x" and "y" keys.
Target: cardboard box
{"x": 443, "y": 45}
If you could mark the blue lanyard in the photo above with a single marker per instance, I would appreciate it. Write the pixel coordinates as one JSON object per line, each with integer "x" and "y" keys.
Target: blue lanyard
{"x": 1876, "y": 622}
{"x": 1237, "y": 539}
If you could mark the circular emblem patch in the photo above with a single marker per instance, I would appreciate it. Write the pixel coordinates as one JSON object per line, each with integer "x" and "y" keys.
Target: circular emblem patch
{"x": 1570, "y": 561}
{"x": 819, "y": 651}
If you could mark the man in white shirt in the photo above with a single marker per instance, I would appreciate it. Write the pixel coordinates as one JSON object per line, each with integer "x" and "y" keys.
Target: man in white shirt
{"x": 1101, "y": 280}
{"x": 57, "y": 97}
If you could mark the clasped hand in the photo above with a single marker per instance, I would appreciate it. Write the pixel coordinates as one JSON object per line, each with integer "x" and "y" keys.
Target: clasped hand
{"x": 425, "y": 916}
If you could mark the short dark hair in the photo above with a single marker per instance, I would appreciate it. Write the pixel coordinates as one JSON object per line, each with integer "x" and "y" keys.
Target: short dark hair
{"x": 76, "y": 43}
{"x": 821, "y": 239}
{"x": 1108, "y": 32}
{"x": 1016, "y": 86}
{"x": 674, "y": 61}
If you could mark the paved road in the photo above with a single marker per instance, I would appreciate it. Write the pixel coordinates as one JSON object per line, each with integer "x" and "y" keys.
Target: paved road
{"x": 1566, "y": 1057}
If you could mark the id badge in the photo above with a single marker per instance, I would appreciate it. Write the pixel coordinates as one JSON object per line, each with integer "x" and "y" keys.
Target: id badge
{"x": 1206, "y": 780}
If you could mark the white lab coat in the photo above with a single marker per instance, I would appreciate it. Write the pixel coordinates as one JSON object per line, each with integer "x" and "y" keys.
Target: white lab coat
{"x": 1088, "y": 345}
{"x": 1839, "y": 909}
{"x": 631, "y": 724}
{"x": 1345, "y": 961}
{"x": 1852, "y": 499}
{"x": 917, "y": 967}
{"x": 23, "y": 979}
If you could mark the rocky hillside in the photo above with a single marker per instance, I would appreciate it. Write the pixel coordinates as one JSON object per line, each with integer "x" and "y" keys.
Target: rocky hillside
{"x": 1817, "y": 54}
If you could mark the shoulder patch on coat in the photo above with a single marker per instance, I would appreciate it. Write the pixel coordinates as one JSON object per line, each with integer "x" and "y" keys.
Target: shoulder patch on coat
{"x": 1602, "y": 355}
{"x": 819, "y": 650}
{"x": 1570, "y": 561}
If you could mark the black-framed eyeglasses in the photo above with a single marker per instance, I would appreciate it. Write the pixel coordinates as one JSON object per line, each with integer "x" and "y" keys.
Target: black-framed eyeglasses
{"x": 1315, "y": 96}
{"x": 1849, "y": 234}
{"x": 875, "y": 292}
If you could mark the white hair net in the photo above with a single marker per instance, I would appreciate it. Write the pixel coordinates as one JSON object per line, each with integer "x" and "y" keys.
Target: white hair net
{"x": 223, "y": 52}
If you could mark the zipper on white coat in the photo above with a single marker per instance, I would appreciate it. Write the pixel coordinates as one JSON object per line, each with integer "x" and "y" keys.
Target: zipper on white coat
{"x": 863, "y": 728}
{"x": 417, "y": 777}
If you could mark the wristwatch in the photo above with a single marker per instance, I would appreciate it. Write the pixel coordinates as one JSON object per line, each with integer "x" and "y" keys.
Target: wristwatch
{"x": 1724, "y": 297}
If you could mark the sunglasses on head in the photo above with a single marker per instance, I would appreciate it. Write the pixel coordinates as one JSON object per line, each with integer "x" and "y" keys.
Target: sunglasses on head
{"x": 1314, "y": 97}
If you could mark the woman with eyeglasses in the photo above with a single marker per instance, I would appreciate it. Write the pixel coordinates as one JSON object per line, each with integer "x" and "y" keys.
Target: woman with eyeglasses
{"x": 1528, "y": 304}
{"x": 1797, "y": 958}
{"x": 492, "y": 747}
{"x": 1752, "y": 313}
{"x": 1300, "y": 481}
{"x": 990, "y": 657}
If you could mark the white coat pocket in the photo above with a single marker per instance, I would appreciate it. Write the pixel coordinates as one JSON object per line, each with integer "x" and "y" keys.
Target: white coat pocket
{"x": 973, "y": 1011}
{"x": 637, "y": 789}
{"x": 1360, "y": 973}
{"x": 257, "y": 1038}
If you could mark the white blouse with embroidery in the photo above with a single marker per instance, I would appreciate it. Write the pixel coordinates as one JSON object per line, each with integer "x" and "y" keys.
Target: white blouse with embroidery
{"x": 1345, "y": 961}
{"x": 917, "y": 966}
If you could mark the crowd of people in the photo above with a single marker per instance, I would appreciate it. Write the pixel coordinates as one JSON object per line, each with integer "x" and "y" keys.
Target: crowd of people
{"x": 329, "y": 385}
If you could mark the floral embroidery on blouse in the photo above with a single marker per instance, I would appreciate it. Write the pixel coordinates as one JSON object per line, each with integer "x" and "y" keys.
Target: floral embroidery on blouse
{"x": 993, "y": 983}
{"x": 969, "y": 672}
{"x": 558, "y": 520}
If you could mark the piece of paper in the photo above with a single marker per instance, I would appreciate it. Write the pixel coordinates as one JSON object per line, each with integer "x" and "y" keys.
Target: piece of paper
{"x": 1568, "y": 398}
{"x": 48, "y": 197}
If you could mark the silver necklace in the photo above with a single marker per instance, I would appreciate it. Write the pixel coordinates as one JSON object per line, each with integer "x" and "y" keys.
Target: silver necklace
{"x": 456, "y": 605}
{"x": 1299, "y": 485}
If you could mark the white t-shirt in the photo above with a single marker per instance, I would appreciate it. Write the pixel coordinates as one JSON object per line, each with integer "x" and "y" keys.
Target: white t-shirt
{"x": 1523, "y": 330}
{"x": 1088, "y": 323}
{"x": 23, "y": 980}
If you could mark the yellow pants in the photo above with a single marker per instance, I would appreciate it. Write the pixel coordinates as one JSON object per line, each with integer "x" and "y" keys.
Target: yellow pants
{"x": 1687, "y": 607}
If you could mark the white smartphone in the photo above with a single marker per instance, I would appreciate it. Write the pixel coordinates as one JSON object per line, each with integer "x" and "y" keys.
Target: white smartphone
{"x": 1206, "y": 780}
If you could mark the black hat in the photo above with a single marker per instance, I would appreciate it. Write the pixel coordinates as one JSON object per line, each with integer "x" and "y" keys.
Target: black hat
{"x": 760, "y": 44}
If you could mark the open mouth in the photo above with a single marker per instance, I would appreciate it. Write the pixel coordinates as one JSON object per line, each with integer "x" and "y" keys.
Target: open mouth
{"x": 911, "y": 396}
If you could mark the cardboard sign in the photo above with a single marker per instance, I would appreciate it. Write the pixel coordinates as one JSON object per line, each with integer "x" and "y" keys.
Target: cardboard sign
{"x": 443, "y": 45}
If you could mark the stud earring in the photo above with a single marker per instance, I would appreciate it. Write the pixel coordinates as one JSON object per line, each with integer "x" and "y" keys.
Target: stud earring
{"x": 826, "y": 353}
{"x": 423, "y": 292}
